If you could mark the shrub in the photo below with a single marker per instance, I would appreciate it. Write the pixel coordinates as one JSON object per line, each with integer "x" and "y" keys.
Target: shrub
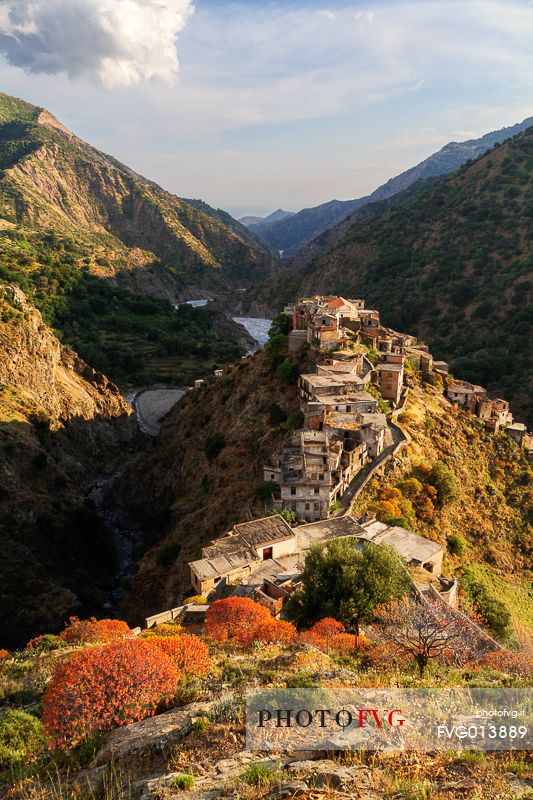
{"x": 445, "y": 482}
{"x": 5, "y": 655}
{"x": 89, "y": 631}
{"x": 188, "y": 652}
{"x": 183, "y": 780}
{"x": 519, "y": 664}
{"x": 235, "y": 618}
{"x": 104, "y": 687}
{"x": 275, "y": 631}
{"x": 330, "y": 636}
{"x": 456, "y": 544}
{"x": 287, "y": 371}
{"x": 231, "y": 709}
{"x": 301, "y": 680}
{"x": 46, "y": 643}
{"x": 200, "y": 726}
{"x": 21, "y": 738}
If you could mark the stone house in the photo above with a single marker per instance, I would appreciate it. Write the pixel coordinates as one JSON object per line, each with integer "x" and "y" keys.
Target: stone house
{"x": 239, "y": 552}
{"x": 517, "y": 431}
{"x": 391, "y": 380}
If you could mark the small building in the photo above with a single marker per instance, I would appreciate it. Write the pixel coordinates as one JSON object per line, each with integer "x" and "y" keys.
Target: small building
{"x": 391, "y": 381}
{"x": 517, "y": 431}
{"x": 414, "y": 549}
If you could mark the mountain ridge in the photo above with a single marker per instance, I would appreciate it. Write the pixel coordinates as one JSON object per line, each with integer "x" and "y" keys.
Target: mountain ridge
{"x": 291, "y": 235}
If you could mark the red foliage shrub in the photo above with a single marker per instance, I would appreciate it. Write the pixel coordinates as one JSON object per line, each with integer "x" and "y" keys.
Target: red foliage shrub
{"x": 5, "y": 655}
{"x": 520, "y": 664}
{"x": 189, "y": 653}
{"x": 330, "y": 636}
{"x": 94, "y": 631}
{"x": 275, "y": 631}
{"x": 347, "y": 643}
{"x": 235, "y": 618}
{"x": 104, "y": 687}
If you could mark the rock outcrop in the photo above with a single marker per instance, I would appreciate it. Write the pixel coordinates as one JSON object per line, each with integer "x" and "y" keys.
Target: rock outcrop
{"x": 61, "y": 425}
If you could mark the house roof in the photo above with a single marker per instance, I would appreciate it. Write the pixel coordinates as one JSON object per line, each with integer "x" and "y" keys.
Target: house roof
{"x": 406, "y": 543}
{"x": 264, "y": 531}
{"x": 386, "y": 367}
{"x": 325, "y": 530}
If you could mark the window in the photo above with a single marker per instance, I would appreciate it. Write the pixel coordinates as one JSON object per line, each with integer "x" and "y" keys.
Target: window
{"x": 267, "y": 553}
{"x": 321, "y": 476}
{"x": 317, "y": 506}
{"x": 348, "y": 409}
{"x": 316, "y": 490}
{"x": 293, "y": 506}
{"x": 293, "y": 490}
{"x": 307, "y": 506}
{"x": 272, "y": 476}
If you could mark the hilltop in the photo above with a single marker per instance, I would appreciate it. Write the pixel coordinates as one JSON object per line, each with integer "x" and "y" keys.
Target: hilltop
{"x": 85, "y": 236}
{"x": 61, "y": 425}
{"x": 452, "y": 265}
{"x": 292, "y": 234}
{"x": 204, "y": 473}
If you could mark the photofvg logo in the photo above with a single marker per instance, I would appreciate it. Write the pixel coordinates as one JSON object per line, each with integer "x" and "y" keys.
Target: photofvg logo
{"x": 389, "y": 719}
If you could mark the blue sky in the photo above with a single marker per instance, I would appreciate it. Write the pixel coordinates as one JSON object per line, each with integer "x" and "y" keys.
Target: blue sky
{"x": 252, "y": 106}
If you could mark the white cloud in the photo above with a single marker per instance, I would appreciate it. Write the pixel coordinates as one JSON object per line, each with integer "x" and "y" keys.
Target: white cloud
{"x": 119, "y": 42}
{"x": 327, "y": 13}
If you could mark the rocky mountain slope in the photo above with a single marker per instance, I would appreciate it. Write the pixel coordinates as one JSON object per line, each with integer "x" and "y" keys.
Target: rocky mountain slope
{"x": 453, "y": 266}
{"x": 51, "y": 180}
{"x": 291, "y": 235}
{"x": 88, "y": 239}
{"x": 61, "y": 424}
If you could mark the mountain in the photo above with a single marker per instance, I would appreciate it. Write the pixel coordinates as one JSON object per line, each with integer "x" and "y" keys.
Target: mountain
{"x": 291, "y": 235}
{"x": 454, "y": 266}
{"x": 276, "y": 216}
{"x": 61, "y": 425}
{"x": 103, "y": 253}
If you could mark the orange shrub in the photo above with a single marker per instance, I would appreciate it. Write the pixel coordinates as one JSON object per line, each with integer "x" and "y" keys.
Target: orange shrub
{"x": 5, "y": 655}
{"x": 275, "y": 631}
{"x": 189, "y": 653}
{"x": 330, "y": 636}
{"x": 520, "y": 664}
{"x": 104, "y": 687}
{"x": 235, "y": 618}
{"x": 93, "y": 631}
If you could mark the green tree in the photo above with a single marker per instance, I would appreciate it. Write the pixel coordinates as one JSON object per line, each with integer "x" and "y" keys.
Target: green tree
{"x": 445, "y": 482}
{"x": 342, "y": 581}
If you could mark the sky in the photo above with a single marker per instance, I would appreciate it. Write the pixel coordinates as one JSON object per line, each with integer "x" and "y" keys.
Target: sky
{"x": 253, "y": 106}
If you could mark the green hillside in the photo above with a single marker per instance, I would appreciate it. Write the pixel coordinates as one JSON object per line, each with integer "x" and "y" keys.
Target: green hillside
{"x": 453, "y": 266}
{"x": 103, "y": 253}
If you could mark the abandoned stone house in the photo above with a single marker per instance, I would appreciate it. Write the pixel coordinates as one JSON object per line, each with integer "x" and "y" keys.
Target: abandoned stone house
{"x": 391, "y": 375}
{"x": 265, "y": 558}
{"x": 495, "y": 413}
{"x": 312, "y": 471}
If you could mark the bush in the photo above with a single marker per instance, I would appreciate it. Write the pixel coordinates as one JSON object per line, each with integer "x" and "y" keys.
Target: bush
{"x": 200, "y": 726}
{"x": 456, "y": 544}
{"x": 188, "y": 652}
{"x": 235, "y": 618}
{"x": 5, "y": 655}
{"x": 46, "y": 643}
{"x": 104, "y": 687}
{"x": 92, "y": 631}
{"x": 275, "y": 631}
{"x": 301, "y": 680}
{"x": 287, "y": 371}
{"x": 183, "y": 780}
{"x": 21, "y": 738}
{"x": 330, "y": 636}
{"x": 445, "y": 482}
{"x": 519, "y": 664}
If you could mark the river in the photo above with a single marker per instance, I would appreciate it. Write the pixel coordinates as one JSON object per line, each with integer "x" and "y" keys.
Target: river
{"x": 257, "y": 327}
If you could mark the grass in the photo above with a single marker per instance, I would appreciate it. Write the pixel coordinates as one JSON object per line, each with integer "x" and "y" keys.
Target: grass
{"x": 260, "y": 774}
{"x": 183, "y": 781}
{"x": 412, "y": 789}
{"x": 516, "y": 593}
